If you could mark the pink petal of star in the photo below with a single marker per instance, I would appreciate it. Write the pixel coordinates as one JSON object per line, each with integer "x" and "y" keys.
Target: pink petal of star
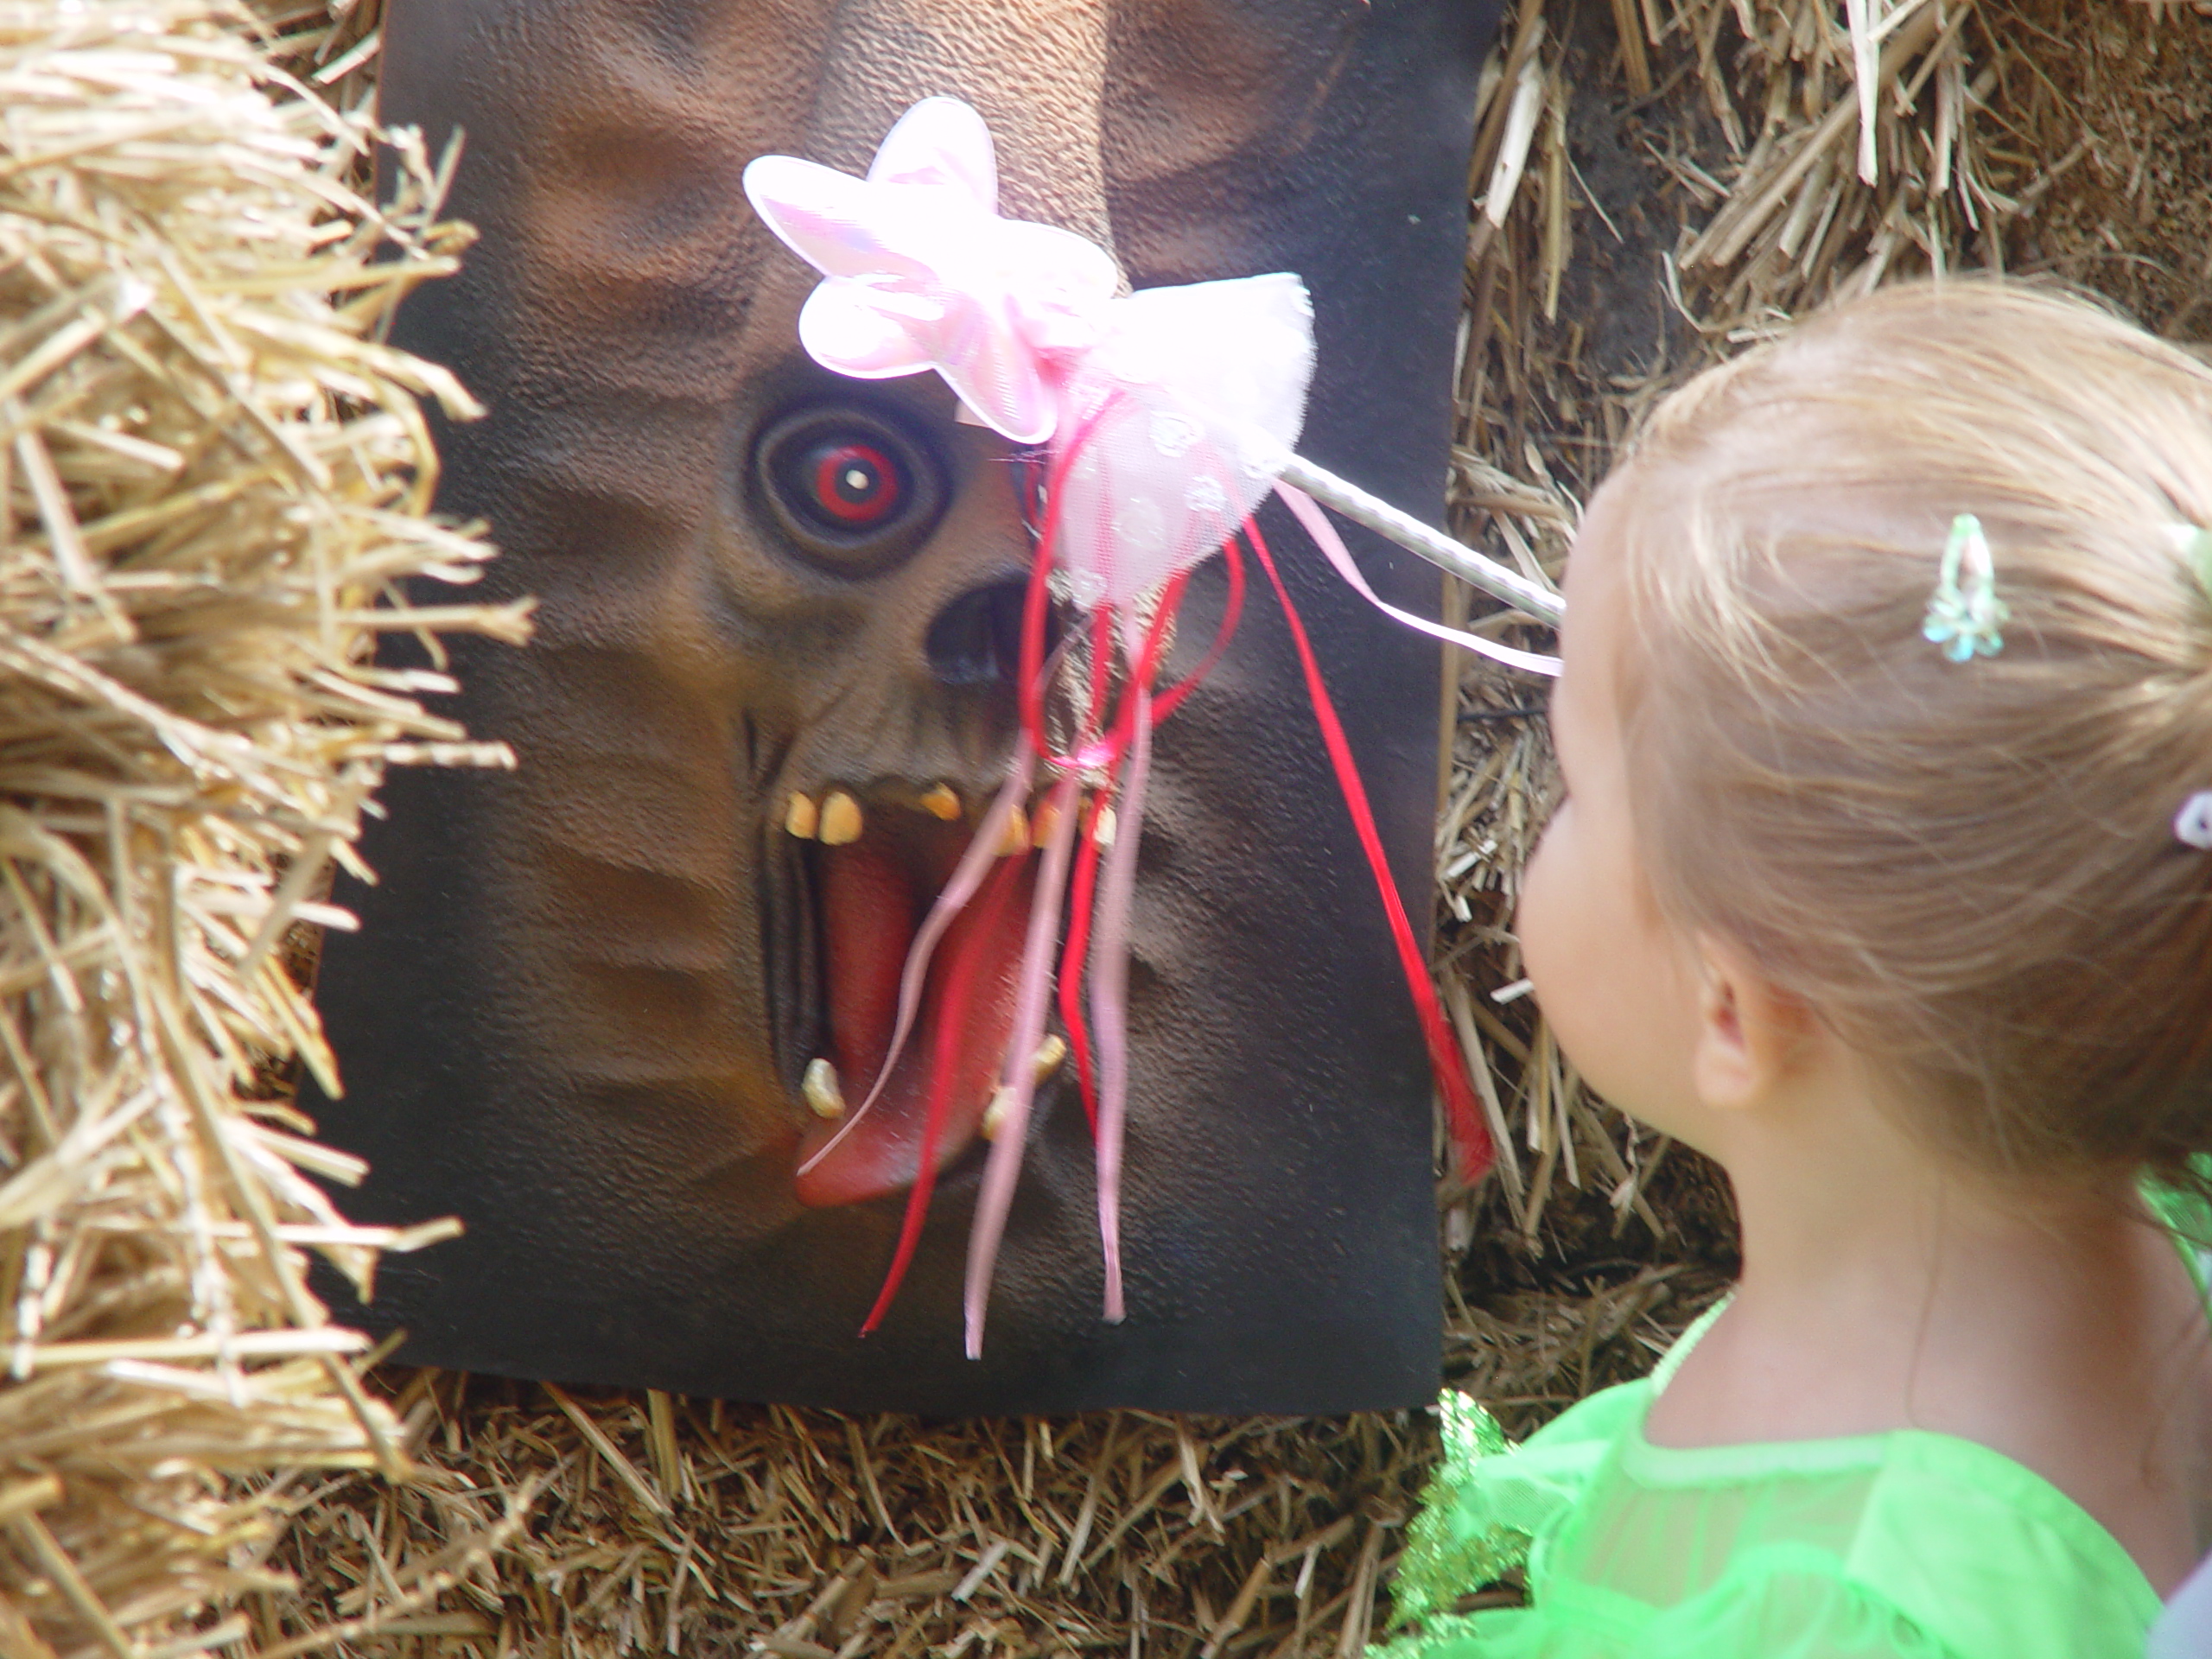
{"x": 940, "y": 141}
{"x": 845, "y": 327}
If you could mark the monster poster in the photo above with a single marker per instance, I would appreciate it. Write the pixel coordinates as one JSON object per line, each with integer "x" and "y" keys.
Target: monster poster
{"x": 606, "y": 1008}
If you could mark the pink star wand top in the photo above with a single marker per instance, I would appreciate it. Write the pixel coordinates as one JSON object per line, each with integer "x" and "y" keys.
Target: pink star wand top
{"x": 1189, "y": 398}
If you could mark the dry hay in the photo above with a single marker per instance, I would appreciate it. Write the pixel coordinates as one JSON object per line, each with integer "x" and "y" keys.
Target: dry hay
{"x": 675, "y": 1526}
{"x": 2123, "y": 208}
{"x": 212, "y": 476}
{"x": 1659, "y": 182}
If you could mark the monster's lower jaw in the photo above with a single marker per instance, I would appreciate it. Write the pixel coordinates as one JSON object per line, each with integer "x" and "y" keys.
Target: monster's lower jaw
{"x": 872, "y": 894}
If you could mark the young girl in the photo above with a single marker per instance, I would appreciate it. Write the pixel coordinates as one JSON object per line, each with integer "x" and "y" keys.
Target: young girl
{"x": 1883, "y": 875}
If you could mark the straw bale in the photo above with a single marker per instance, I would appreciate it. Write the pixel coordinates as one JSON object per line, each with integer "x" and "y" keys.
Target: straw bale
{"x": 1788, "y": 152}
{"x": 213, "y": 480}
{"x": 2109, "y": 144}
{"x": 686, "y": 1527}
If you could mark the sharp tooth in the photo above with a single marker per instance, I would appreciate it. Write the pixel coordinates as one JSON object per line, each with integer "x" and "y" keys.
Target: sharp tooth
{"x": 1041, "y": 827}
{"x": 1046, "y": 1060}
{"x": 841, "y": 819}
{"x": 1016, "y": 839}
{"x": 941, "y": 802}
{"x": 802, "y": 817}
{"x": 1105, "y": 836}
{"x": 819, "y": 1086}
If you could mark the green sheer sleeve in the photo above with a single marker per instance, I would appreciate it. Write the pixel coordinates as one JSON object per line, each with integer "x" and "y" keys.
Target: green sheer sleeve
{"x": 1903, "y": 1545}
{"x": 1776, "y": 1608}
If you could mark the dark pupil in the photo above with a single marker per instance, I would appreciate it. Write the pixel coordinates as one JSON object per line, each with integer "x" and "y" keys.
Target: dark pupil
{"x": 853, "y": 483}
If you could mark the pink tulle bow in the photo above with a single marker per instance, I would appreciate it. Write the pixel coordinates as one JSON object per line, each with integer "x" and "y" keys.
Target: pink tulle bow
{"x": 1189, "y": 399}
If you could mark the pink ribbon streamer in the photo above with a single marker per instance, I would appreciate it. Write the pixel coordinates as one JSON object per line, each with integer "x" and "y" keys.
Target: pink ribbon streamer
{"x": 1003, "y": 1167}
{"x": 1109, "y": 1001}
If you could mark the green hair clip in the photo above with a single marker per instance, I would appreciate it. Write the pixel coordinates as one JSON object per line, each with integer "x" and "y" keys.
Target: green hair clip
{"x": 1965, "y": 617}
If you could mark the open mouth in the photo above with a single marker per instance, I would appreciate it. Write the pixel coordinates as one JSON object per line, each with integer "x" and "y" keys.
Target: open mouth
{"x": 863, "y": 877}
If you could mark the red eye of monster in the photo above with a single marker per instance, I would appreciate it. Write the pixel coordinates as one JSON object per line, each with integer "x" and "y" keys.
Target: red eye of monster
{"x": 852, "y": 490}
{"x": 854, "y": 484}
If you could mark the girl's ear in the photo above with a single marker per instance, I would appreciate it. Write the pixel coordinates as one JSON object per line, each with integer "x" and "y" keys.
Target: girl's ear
{"x": 1751, "y": 1033}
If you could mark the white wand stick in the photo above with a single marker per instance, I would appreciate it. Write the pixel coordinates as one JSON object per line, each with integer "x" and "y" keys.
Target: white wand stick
{"x": 1433, "y": 545}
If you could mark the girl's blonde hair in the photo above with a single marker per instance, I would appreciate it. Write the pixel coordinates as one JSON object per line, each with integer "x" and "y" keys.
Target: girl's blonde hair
{"x": 1969, "y": 869}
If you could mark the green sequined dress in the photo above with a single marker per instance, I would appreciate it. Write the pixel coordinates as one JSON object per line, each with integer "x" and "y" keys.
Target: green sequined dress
{"x": 1906, "y": 1545}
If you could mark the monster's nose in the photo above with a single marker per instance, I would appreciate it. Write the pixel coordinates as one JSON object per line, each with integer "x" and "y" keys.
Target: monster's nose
{"x": 976, "y": 638}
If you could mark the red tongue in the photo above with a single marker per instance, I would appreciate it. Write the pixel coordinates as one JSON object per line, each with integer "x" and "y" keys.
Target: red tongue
{"x": 870, "y": 910}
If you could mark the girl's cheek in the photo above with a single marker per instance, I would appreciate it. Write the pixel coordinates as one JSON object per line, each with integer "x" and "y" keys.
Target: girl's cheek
{"x": 1537, "y": 921}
